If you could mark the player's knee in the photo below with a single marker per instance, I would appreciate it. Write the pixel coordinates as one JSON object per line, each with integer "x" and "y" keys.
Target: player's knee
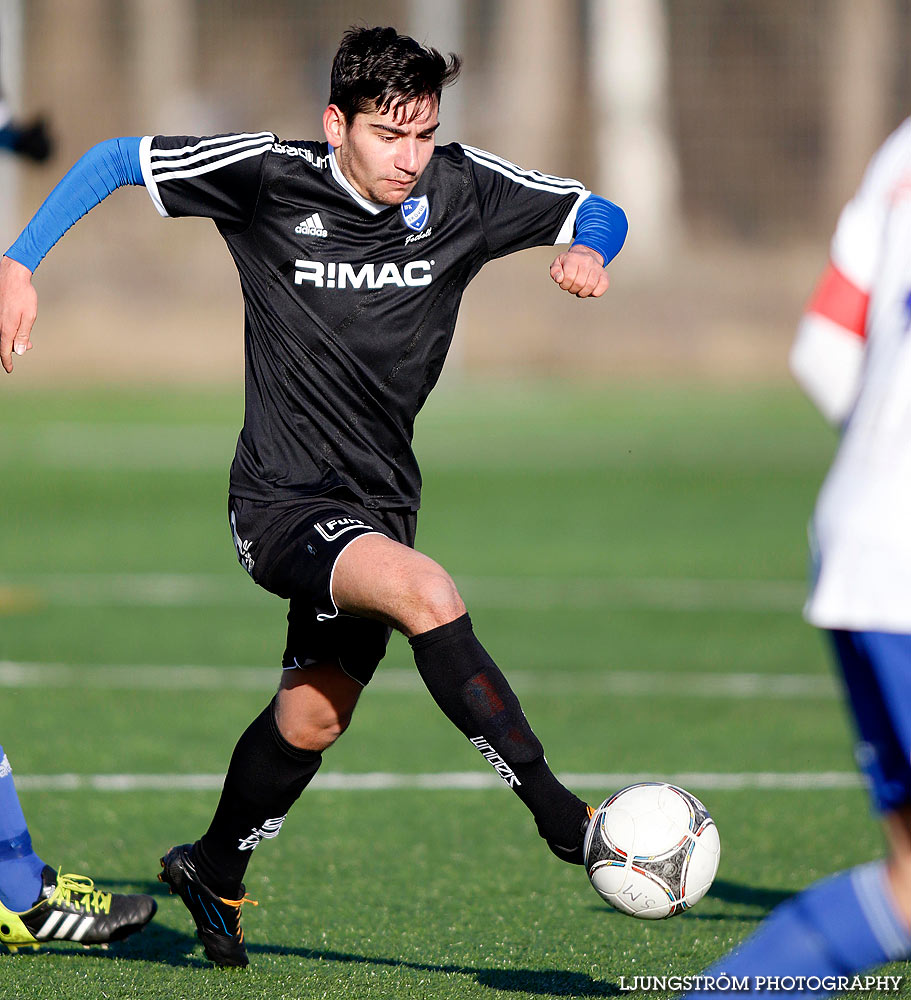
{"x": 317, "y": 734}
{"x": 328, "y": 732}
{"x": 312, "y": 723}
{"x": 433, "y": 600}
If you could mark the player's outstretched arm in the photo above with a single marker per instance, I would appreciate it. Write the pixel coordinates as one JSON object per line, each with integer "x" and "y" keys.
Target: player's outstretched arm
{"x": 94, "y": 176}
{"x": 600, "y": 231}
{"x": 827, "y": 358}
{"x": 18, "y": 308}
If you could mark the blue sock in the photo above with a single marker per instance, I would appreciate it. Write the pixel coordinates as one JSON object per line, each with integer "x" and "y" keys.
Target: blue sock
{"x": 836, "y": 928}
{"x": 20, "y": 867}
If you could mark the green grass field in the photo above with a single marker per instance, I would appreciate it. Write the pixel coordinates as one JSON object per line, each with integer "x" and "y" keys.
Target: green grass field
{"x": 632, "y": 556}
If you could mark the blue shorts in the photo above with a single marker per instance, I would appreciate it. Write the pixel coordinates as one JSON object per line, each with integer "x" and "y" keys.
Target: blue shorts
{"x": 876, "y": 667}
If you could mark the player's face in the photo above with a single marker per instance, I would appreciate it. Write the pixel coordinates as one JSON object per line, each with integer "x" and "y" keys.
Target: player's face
{"x": 384, "y": 155}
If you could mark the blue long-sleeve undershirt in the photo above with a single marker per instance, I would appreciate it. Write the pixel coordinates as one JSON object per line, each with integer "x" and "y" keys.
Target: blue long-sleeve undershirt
{"x": 114, "y": 163}
{"x": 111, "y": 164}
{"x": 601, "y": 225}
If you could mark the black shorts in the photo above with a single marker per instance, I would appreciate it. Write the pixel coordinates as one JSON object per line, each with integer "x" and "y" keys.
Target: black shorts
{"x": 290, "y": 548}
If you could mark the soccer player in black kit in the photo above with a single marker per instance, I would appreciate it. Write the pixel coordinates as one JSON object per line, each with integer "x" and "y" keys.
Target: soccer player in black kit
{"x": 353, "y": 255}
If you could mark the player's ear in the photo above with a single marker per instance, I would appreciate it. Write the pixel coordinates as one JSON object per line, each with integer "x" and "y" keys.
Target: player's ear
{"x": 334, "y": 125}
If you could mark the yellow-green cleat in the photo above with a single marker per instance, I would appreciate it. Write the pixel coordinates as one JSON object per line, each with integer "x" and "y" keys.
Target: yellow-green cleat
{"x": 13, "y": 933}
{"x": 70, "y": 908}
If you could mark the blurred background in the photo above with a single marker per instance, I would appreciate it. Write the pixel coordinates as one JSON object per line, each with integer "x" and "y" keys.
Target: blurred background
{"x": 731, "y": 131}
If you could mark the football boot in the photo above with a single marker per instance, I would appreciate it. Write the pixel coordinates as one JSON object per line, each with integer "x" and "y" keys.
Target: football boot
{"x": 70, "y": 908}
{"x": 574, "y": 854}
{"x": 217, "y": 919}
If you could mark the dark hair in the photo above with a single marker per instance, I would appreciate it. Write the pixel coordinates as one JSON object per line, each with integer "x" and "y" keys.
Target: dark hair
{"x": 379, "y": 69}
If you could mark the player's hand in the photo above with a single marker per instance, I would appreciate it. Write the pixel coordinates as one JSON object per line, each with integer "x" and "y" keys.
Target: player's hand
{"x": 18, "y": 309}
{"x": 580, "y": 271}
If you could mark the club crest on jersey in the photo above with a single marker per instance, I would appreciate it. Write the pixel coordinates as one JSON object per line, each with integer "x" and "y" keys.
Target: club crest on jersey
{"x": 416, "y": 212}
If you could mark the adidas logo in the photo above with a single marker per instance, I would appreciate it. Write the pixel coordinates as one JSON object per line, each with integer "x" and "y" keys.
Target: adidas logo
{"x": 312, "y": 226}
{"x": 71, "y": 927}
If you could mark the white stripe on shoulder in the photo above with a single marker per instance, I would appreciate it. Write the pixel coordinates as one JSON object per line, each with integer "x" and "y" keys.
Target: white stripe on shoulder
{"x": 145, "y": 146}
{"x": 214, "y": 165}
{"x": 217, "y": 140}
{"x": 530, "y": 178}
{"x": 161, "y": 168}
{"x": 568, "y": 229}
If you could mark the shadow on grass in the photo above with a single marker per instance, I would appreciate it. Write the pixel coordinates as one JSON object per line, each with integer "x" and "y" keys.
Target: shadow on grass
{"x": 549, "y": 982}
{"x": 156, "y": 943}
{"x": 611, "y": 914}
{"x": 748, "y": 895}
{"x": 163, "y": 945}
{"x": 761, "y": 901}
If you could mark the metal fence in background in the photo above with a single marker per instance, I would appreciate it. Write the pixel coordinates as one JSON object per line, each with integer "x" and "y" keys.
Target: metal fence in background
{"x": 771, "y": 106}
{"x": 715, "y": 123}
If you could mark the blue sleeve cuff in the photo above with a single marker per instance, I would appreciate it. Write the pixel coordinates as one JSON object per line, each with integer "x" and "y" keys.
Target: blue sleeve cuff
{"x": 104, "y": 168}
{"x": 601, "y": 225}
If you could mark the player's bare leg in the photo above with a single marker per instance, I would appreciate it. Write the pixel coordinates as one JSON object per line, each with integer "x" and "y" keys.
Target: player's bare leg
{"x": 381, "y": 578}
{"x": 898, "y": 833}
{"x": 378, "y": 577}
{"x": 314, "y": 706}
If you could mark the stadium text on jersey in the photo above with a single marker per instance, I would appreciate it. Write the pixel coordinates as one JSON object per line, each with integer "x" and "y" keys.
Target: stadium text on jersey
{"x": 320, "y": 162}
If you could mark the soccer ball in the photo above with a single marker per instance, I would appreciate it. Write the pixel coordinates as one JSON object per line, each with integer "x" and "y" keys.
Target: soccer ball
{"x": 652, "y": 850}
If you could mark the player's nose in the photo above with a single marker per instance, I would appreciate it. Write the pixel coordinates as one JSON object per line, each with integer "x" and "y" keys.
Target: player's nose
{"x": 407, "y": 159}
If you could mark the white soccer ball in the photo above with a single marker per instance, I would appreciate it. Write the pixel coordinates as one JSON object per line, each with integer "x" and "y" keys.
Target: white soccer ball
{"x": 652, "y": 850}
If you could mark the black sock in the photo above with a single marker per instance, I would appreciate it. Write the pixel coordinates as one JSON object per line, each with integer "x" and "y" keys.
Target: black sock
{"x": 265, "y": 777}
{"x": 475, "y": 696}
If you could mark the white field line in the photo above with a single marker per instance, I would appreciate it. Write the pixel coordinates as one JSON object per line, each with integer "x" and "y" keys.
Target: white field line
{"x": 510, "y": 592}
{"x": 392, "y": 679}
{"x": 447, "y": 781}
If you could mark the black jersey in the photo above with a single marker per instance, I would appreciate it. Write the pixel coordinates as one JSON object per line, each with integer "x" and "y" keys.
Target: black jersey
{"x": 349, "y": 306}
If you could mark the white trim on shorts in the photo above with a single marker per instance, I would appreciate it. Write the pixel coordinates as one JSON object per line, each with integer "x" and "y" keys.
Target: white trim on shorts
{"x": 335, "y": 614}
{"x": 311, "y": 662}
